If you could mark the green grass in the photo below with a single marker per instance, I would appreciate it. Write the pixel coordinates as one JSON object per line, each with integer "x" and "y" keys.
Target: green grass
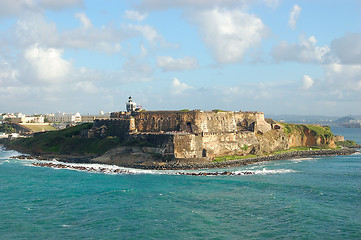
{"x": 39, "y": 128}
{"x": 66, "y": 141}
{"x": 346, "y": 143}
{"x": 6, "y": 128}
{"x": 245, "y": 147}
{"x": 217, "y": 110}
{"x": 322, "y": 131}
{"x": 293, "y": 149}
{"x": 232, "y": 157}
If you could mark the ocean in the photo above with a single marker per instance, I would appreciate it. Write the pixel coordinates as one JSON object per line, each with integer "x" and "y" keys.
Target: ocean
{"x": 309, "y": 198}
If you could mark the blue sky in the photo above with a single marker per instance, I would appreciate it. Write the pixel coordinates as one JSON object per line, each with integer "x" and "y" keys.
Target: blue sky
{"x": 274, "y": 56}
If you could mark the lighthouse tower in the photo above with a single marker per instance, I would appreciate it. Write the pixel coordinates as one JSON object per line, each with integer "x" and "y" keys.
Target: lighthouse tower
{"x": 131, "y": 106}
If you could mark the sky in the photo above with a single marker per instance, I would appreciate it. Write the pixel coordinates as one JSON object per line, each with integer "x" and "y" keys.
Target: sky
{"x": 273, "y": 56}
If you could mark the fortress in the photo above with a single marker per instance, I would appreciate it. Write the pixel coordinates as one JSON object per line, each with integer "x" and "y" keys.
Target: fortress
{"x": 189, "y": 134}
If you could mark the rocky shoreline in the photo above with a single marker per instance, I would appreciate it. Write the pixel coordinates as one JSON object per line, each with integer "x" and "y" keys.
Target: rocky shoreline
{"x": 356, "y": 146}
{"x": 179, "y": 165}
{"x": 241, "y": 162}
{"x": 126, "y": 171}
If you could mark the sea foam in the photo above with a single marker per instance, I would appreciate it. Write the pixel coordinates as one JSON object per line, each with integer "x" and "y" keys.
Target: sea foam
{"x": 113, "y": 170}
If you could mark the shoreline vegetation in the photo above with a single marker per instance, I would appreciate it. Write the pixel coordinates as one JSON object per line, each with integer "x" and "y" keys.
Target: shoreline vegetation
{"x": 68, "y": 146}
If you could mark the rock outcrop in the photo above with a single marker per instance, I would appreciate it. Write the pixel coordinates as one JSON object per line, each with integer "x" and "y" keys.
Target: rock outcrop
{"x": 204, "y": 136}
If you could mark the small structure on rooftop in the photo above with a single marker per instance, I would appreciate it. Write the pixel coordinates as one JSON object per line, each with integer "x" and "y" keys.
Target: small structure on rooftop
{"x": 130, "y": 105}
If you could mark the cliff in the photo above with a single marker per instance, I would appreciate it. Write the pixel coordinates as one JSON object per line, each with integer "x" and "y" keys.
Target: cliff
{"x": 205, "y": 136}
{"x": 164, "y": 137}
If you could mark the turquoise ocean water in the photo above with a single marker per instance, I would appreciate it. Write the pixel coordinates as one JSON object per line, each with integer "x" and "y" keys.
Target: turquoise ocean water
{"x": 311, "y": 198}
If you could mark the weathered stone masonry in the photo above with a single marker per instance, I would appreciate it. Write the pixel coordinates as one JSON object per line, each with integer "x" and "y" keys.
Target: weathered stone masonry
{"x": 191, "y": 134}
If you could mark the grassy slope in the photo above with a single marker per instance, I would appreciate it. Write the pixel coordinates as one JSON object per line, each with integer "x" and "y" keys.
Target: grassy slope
{"x": 6, "y": 128}
{"x": 322, "y": 131}
{"x": 290, "y": 128}
{"x": 39, "y": 128}
{"x": 66, "y": 141}
{"x": 347, "y": 143}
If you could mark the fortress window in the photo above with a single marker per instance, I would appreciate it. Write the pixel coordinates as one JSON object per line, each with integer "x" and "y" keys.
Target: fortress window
{"x": 204, "y": 152}
{"x": 189, "y": 127}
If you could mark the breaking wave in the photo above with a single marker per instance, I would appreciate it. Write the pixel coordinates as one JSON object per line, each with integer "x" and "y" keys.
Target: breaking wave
{"x": 265, "y": 171}
{"x": 112, "y": 169}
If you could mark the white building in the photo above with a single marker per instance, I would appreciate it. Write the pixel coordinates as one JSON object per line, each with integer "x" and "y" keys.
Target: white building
{"x": 91, "y": 118}
{"x": 8, "y": 115}
{"x": 356, "y": 121}
{"x": 130, "y": 105}
{"x": 39, "y": 119}
{"x": 64, "y": 117}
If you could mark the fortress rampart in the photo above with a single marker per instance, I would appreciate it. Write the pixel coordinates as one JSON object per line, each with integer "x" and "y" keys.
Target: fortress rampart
{"x": 194, "y": 122}
{"x": 191, "y": 134}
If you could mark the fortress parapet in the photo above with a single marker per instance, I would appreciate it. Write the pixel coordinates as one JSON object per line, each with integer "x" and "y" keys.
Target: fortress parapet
{"x": 194, "y": 122}
{"x": 191, "y": 134}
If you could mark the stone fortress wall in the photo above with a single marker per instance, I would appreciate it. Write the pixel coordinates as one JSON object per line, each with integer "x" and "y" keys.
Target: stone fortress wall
{"x": 193, "y": 122}
{"x": 192, "y": 134}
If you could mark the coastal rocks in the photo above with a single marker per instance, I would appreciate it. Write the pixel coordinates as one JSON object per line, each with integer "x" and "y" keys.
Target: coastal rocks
{"x": 80, "y": 168}
{"x": 225, "y": 173}
{"x": 148, "y": 162}
{"x": 181, "y": 165}
{"x": 126, "y": 171}
{"x": 23, "y": 157}
{"x": 29, "y": 157}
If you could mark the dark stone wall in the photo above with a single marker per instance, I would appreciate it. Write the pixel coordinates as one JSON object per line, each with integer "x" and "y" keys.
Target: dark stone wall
{"x": 115, "y": 127}
{"x": 163, "y": 141}
{"x": 198, "y": 122}
{"x": 166, "y": 121}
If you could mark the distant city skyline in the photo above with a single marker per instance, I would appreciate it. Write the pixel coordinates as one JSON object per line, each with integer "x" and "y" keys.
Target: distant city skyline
{"x": 273, "y": 56}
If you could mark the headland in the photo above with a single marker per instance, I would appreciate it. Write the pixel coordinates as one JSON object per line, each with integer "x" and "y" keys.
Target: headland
{"x": 187, "y": 139}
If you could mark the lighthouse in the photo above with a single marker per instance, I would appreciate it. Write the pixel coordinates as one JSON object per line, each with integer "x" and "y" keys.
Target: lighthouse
{"x": 130, "y": 105}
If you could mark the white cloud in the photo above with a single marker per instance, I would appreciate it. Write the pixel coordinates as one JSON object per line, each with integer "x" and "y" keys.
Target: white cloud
{"x": 59, "y": 5}
{"x": 148, "y": 32}
{"x": 348, "y": 48}
{"x": 169, "y": 64}
{"x": 178, "y": 87}
{"x": 47, "y": 64}
{"x": 296, "y": 10}
{"x": 13, "y": 8}
{"x": 86, "y": 86}
{"x": 33, "y": 29}
{"x": 134, "y": 15}
{"x": 306, "y": 51}
{"x": 271, "y": 3}
{"x": 307, "y": 82}
{"x": 135, "y": 71}
{"x": 201, "y": 4}
{"x": 143, "y": 51}
{"x": 21, "y": 7}
{"x": 229, "y": 34}
{"x": 84, "y": 20}
{"x": 8, "y": 75}
{"x": 345, "y": 78}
